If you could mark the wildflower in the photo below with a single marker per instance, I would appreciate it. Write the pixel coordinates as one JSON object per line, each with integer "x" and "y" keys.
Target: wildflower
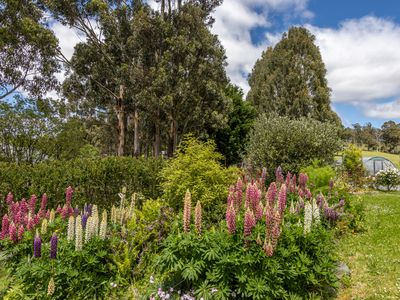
{"x": 213, "y": 290}
{"x": 71, "y": 229}
{"x": 151, "y": 279}
{"x": 263, "y": 175}
{"x": 76, "y": 211}
{"x": 78, "y": 233}
{"x": 249, "y": 222}
{"x": 21, "y": 231}
{"x": 43, "y": 229}
{"x": 95, "y": 224}
{"x": 278, "y": 175}
{"x": 9, "y": 199}
{"x": 253, "y": 196}
{"x": 59, "y": 209}
{"x": 43, "y": 204}
{"x": 68, "y": 196}
{"x": 187, "y": 211}
{"x": 32, "y": 204}
{"x": 30, "y": 224}
{"x": 315, "y": 214}
{"x": 269, "y": 220}
{"x": 53, "y": 246}
{"x": 23, "y": 207}
{"x": 52, "y": 216}
{"x": 308, "y": 212}
{"x": 293, "y": 184}
{"x": 303, "y": 179}
{"x": 288, "y": 179}
{"x": 103, "y": 225}
{"x": 88, "y": 229}
{"x": 197, "y": 217}
{"x": 320, "y": 200}
{"x": 37, "y": 246}
{"x": 12, "y": 232}
{"x": 5, "y": 224}
{"x": 259, "y": 211}
{"x": 231, "y": 219}
{"x": 268, "y": 249}
{"x": 51, "y": 287}
{"x": 271, "y": 194}
{"x": 239, "y": 193}
{"x": 84, "y": 220}
{"x": 113, "y": 215}
{"x": 282, "y": 198}
{"x": 292, "y": 209}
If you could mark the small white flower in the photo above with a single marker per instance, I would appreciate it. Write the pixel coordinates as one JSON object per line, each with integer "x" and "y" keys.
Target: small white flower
{"x": 151, "y": 279}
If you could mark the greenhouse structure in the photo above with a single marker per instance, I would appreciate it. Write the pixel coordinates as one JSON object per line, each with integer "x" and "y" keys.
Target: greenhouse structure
{"x": 376, "y": 163}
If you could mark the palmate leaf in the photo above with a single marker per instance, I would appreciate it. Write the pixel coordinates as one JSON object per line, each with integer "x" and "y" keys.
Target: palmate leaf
{"x": 192, "y": 270}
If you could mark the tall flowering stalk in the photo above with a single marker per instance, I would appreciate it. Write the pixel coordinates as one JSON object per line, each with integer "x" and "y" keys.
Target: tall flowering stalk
{"x": 43, "y": 229}
{"x": 88, "y": 229}
{"x": 103, "y": 225}
{"x": 52, "y": 216}
{"x": 279, "y": 176}
{"x": 37, "y": 246}
{"x": 197, "y": 217}
{"x": 71, "y": 229}
{"x": 21, "y": 231}
{"x": 32, "y": 204}
{"x": 95, "y": 221}
{"x": 231, "y": 219}
{"x": 5, "y": 226}
{"x": 316, "y": 213}
{"x": 253, "y": 196}
{"x": 308, "y": 212}
{"x": 43, "y": 205}
{"x": 271, "y": 194}
{"x": 51, "y": 287}
{"x": 13, "y": 232}
{"x": 78, "y": 233}
{"x": 238, "y": 194}
{"x": 282, "y": 199}
{"x": 249, "y": 222}
{"x": 187, "y": 209}
{"x": 53, "y": 246}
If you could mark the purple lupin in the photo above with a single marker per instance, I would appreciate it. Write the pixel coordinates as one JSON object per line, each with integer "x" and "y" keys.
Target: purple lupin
{"x": 53, "y": 246}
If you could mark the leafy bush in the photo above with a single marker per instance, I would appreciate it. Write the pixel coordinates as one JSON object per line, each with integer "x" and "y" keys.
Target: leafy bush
{"x": 389, "y": 178}
{"x": 320, "y": 177}
{"x": 291, "y": 144}
{"x": 266, "y": 250}
{"x": 353, "y": 165}
{"x": 96, "y": 179}
{"x": 197, "y": 168}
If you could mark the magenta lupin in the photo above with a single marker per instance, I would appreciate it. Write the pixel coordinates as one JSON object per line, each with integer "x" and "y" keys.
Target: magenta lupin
{"x": 9, "y": 199}
{"x": 68, "y": 196}
{"x": 249, "y": 222}
{"x": 12, "y": 232}
{"x": 5, "y": 226}
{"x": 32, "y": 204}
{"x": 231, "y": 219}
{"x": 271, "y": 194}
{"x": 278, "y": 175}
{"x": 282, "y": 198}
{"x": 21, "y": 231}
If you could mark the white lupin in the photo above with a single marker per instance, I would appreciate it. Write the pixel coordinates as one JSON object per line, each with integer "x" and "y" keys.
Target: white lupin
{"x": 308, "y": 211}
{"x": 71, "y": 228}
{"x": 78, "y": 233}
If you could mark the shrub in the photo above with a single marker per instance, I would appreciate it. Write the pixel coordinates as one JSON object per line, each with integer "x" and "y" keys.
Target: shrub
{"x": 353, "y": 165}
{"x": 320, "y": 177}
{"x": 96, "y": 179}
{"x": 291, "y": 144}
{"x": 265, "y": 250}
{"x": 197, "y": 168}
{"x": 389, "y": 178}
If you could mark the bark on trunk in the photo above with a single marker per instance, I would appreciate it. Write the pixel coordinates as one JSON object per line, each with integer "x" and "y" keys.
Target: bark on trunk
{"x": 157, "y": 140}
{"x": 121, "y": 117}
{"x": 136, "y": 140}
{"x": 173, "y": 138}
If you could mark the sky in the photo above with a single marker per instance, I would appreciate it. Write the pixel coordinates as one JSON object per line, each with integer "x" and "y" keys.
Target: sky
{"x": 359, "y": 42}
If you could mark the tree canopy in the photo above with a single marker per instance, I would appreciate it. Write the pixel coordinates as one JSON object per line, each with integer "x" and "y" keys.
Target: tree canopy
{"x": 290, "y": 79}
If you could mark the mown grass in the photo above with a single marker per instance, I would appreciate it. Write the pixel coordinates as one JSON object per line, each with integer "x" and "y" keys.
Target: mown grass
{"x": 374, "y": 256}
{"x": 395, "y": 158}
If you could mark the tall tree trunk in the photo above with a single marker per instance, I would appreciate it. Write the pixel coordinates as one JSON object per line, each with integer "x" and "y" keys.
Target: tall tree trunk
{"x": 121, "y": 117}
{"x": 162, "y": 8}
{"x": 157, "y": 136}
{"x": 179, "y": 5}
{"x": 173, "y": 138}
{"x": 136, "y": 139}
{"x": 169, "y": 9}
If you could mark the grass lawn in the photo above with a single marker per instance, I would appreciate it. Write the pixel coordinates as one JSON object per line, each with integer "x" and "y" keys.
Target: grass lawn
{"x": 374, "y": 256}
{"x": 395, "y": 158}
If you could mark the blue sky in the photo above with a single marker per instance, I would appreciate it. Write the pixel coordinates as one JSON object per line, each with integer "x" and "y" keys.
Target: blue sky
{"x": 359, "y": 42}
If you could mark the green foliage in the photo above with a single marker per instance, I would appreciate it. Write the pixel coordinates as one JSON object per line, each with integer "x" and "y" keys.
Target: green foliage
{"x": 353, "y": 165}
{"x": 27, "y": 49}
{"x": 77, "y": 274}
{"x": 196, "y": 168}
{"x": 94, "y": 178}
{"x": 218, "y": 265}
{"x": 319, "y": 176}
{"x": 231, "y": 141}
{"x": 290, "y": 79}
{"x": 391, "y": 135}
{"x": 291, "y": 144}
{"x": 389, "y": 178}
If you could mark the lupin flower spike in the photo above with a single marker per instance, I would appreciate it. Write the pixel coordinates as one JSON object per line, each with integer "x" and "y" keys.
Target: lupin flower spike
{"x": 71, "y": 229}
{"x": 53, "y": 246}
{"x": 37, "y": 246}
{"x": 51, "y": 287}
{"x": 187, "y": 210}
{"x": 78, "y": 233}
{"x": 197, "y": 217}
{"x": 231, "y": 219}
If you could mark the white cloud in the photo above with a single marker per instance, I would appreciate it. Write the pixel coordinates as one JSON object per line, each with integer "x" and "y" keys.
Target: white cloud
{"x": 388, "y": 110}
{"x": 235, "y": 19}
{"x": 362, "y": 58}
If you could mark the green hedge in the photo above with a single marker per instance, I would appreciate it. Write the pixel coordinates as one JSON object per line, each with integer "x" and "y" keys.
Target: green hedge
{"x": 94, "y": 180}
